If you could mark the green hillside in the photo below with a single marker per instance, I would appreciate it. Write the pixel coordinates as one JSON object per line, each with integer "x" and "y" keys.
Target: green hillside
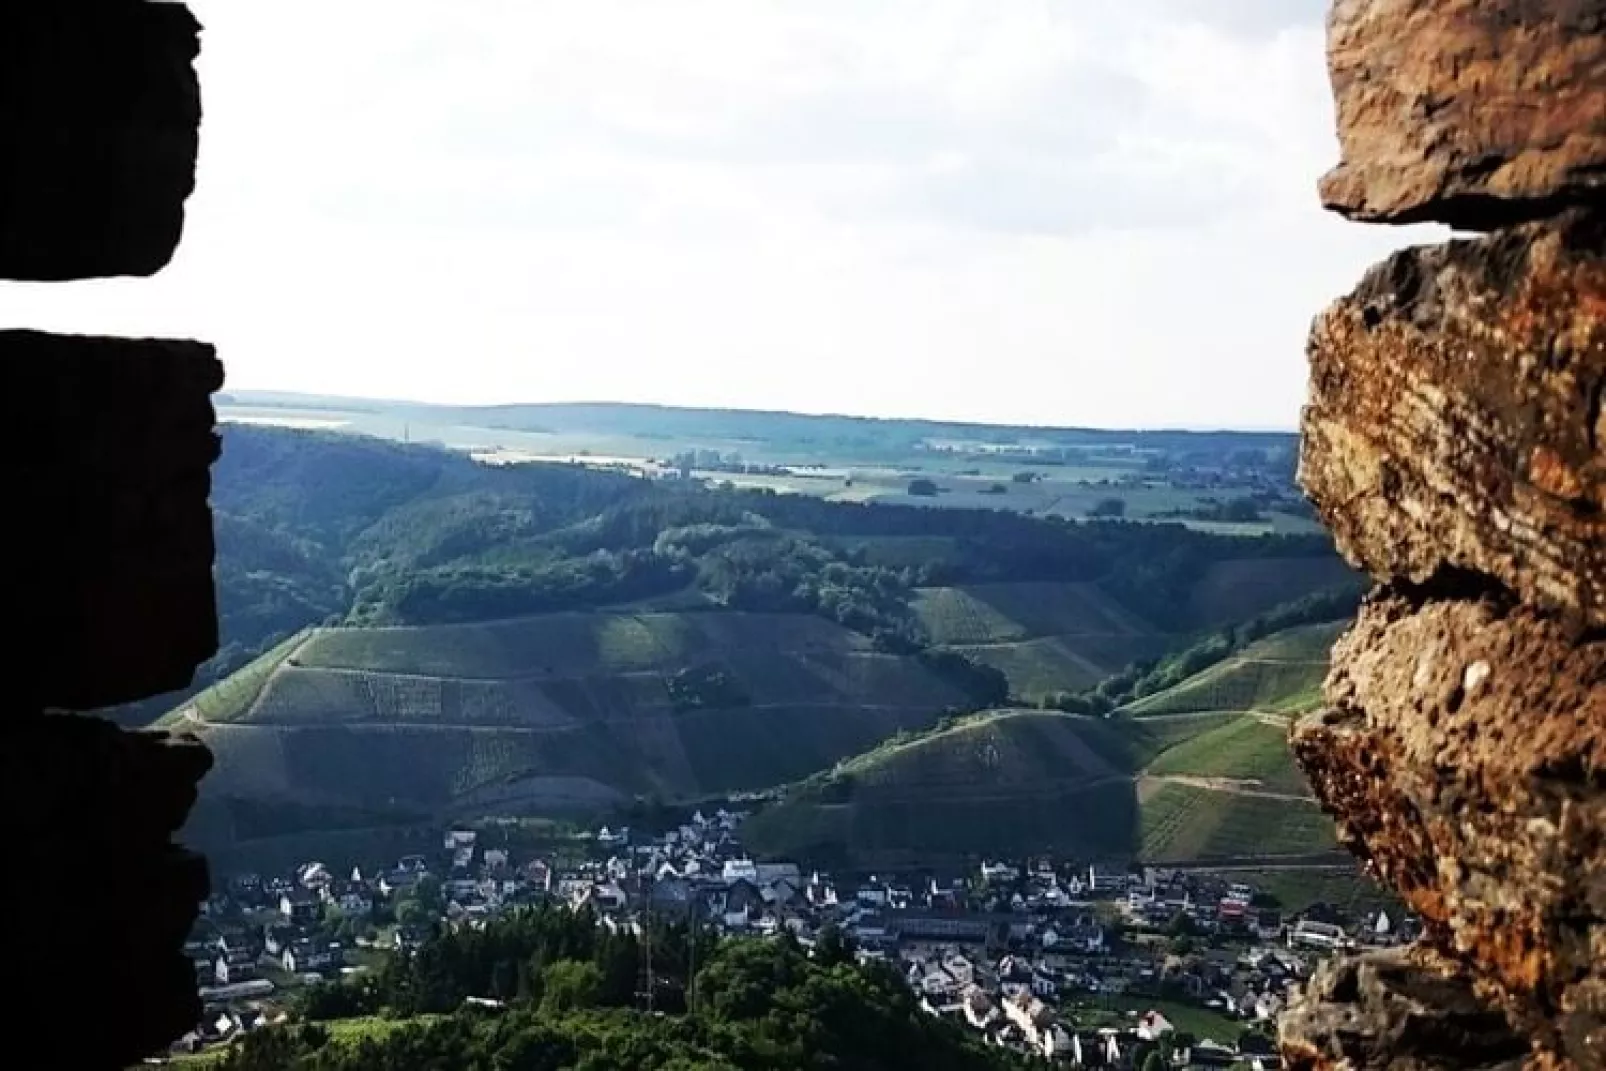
{"x": 555, "y": 712}
{"x": 1192, "y": 783}
{"x": 1281, "y": 674}
{"x": 1184, "y": 823}
{"x": 1246, "y": 749}
{"x": 1238, "y": 589}
{"x": 1049, "y": 638}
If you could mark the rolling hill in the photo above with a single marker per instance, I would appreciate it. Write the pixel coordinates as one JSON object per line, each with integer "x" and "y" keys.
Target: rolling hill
{"x": 551, "y": 712}
{"x": 1205, "y": 774}
{"x": 410, "y": 634}
{"x": 1281, "y": 674}
{"x": 1054, "y": 637}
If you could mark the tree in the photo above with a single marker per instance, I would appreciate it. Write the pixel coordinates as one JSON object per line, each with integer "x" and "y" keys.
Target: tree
{"x": 568, "y": 985}
{"x": 923, "y": 488}
{"x": 832, "y": 946}
{"x": 1108, "y": 507}
{"x": 1181, "y": 925}
{"x": 1155, "y": 1061}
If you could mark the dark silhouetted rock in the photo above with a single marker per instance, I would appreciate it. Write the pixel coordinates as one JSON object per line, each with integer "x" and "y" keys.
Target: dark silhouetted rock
{"x": 112, "y": 442}
{"x": 99, "y": 120}
{"x": 101, "y": 899}
{"x": 1464, "y": 756}
{"x": 1476, "y": 113}
{"x": 1455, "y": 417}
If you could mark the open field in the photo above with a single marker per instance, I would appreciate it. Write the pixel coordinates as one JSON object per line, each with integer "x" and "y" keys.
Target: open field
{"x": 837, "y": 458}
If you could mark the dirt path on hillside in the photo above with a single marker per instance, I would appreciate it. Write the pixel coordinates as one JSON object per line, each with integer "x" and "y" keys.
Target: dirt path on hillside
{"x": 1266, "y": 717}
{"x": 1235, "y": 786}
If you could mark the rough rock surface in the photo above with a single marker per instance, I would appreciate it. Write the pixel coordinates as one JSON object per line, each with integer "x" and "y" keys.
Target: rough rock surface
{"x": 1464, "y": 755}
{"x": 1401, "y": 1009}
{"x": 1469, "y": 112}
{"x": 112, "y": 444}
{"x": 91, "y": 810}
{"x": 100, "y": 112}
{"x": 1456, "y": 414}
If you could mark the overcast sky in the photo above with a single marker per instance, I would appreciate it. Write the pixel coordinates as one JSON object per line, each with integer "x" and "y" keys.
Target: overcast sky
{"x": 1059, "y": 212}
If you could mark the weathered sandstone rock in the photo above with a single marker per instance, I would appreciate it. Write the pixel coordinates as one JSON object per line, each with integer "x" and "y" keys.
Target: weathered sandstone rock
{"x": 100, "y": 113}
{"x": 112, "y": 444}
{"x": 1403, "y": 1009}
{"x": 1456, "y": 419}
{"x": 1475, "y": 113}
{"x": 1464, "y": 756}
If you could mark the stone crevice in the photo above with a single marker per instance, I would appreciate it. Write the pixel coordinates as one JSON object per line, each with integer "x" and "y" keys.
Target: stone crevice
{"x": 1454, "y": 443}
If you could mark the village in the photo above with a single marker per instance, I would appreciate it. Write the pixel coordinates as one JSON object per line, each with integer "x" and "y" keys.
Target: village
{"x": 1085, "y": 964}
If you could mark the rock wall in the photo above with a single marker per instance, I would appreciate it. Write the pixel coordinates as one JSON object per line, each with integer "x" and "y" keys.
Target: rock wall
{"x": 110, "y": 593}
{"x": 1455, "y": 441}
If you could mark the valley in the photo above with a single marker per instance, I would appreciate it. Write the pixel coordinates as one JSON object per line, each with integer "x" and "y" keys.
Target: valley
{"x": 413, "y": 637}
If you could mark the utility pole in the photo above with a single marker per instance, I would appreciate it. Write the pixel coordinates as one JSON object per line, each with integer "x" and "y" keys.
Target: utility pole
{"x": 648, "y": 988}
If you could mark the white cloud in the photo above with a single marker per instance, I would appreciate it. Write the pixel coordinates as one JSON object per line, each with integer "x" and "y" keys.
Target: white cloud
{"x": 995, "y": 209}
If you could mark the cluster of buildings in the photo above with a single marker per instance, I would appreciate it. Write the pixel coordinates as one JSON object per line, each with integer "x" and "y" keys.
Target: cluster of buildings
{"x": 1078, "y": 963}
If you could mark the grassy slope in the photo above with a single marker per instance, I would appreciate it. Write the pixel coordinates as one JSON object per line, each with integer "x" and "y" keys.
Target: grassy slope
{"x": 1045, "y": 637}
{"x": 1233, "y": 591}
{"x": 1188, "y": 781}
{"x": 1051, "y": 637}
{"x": 1279, "y": 674}
{"x": 1184, "y": 823}
{"x": 1244, "y": 749}
{"x": 561, "y": 711}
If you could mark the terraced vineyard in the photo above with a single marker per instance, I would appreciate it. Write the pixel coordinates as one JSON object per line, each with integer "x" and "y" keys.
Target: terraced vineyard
{"x": 1044, "y": 637}
{"x": 1236, "y": 590}
{"x": 1184, "y": 782}
{"x": 1246, "y": 749}
{"x": 1185, "y": 823}
{"x": 553, "y": 712}
{"x": 1279, "y": 674}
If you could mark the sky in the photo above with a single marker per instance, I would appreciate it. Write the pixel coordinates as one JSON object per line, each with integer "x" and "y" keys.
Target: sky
{"x": 1065, "y": 213}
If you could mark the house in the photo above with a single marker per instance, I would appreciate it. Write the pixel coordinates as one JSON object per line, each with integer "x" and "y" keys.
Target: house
{"x": 299, "y": 906}
{"x": 353, "y": 898}
{"x": 276, "y": 938}
{"x": 399, "y": 882}
{"x": 770, "y": 873}
{"x": 1058, "y": 1042}
{"x": 1031, "y": 1016}
{"x": 1152, "y": 1026}
{"x": 312, "y": 957}
{"x": 981, "y": 1011}
{"x": 234, "y": 967}
{"x": 998, "y": 873}
{"x": 739, "y": 869}
{"x": 314, "y": 876}
{"x": 1324, "y": 936}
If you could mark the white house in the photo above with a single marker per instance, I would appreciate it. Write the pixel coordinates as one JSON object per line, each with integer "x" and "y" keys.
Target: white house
{"x": 1152, "y": 1026}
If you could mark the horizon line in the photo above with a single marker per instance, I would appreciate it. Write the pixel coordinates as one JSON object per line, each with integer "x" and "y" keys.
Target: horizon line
{"x": 353, "y": 399}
